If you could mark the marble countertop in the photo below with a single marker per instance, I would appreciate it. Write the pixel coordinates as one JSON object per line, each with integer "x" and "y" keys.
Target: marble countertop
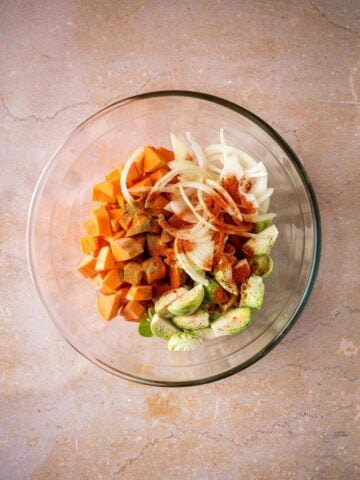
{"x": 296, "y": 413}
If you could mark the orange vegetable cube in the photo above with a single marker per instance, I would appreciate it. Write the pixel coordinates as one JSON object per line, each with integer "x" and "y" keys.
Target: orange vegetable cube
{"x": 105, "y": 191}
{"x": 87, "y": 266}
{"x": 133, "y": 175}
{"x": 154, "y": 269}
{"x": 115, "y": 227}
{"x": 152, "y": 160}
{"x": 126, "y": 220}
{"x": 133, "y": 311}
{"x": 116, "y": 236}
{"x": 102, "y": 221}
{"x": 113, "y": 279}
{"x": 108, "y": 306}
{"x": 89, "y": 226}
{"x": 139, "y": 293}
{"x": 113, "y": 175}
{"x": 140, "y": 224}
{"x": 155, "y": 176}
{"x": 168, "y": 155}
{"x": 139, "y": 163}
{"x": 105, "y": 260}
{"x": 89, "y": 244}
{"x": 96, "y": 281}
{"x": 176, "y": 275}
{"x": 125, "y": 249}
{"x": 133, "y": 273}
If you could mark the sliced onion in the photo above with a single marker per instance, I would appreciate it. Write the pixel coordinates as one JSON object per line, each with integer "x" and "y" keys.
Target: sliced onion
{"x": 197, "y": 215}
{"x": 179, "y": 147}
{"x": 125, "y": 171}
{"x": 188, "y": 266}
{"x": 267, "y": 194}
{"x": 198, "y": 151}
{"x": 259, "y": 217}
{"x": 184, "y": 233}
{"x": 264, "y": 206}
{"x": 232, "y": 207}
{"x": 202, "y": 253}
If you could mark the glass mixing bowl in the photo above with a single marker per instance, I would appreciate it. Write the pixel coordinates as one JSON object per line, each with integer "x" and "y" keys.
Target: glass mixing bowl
{"x": 62, "y": 200}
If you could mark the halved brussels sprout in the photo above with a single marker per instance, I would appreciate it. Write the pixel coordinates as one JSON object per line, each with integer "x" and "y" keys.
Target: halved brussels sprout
{"x": 260, "y": 226}
{"x": 225, "y": 278}
{"x": 199, "y": 319}
{"x": 188, "y": 302}
{"x": 162, "y": 328}
{"x": 262, "y": 266}
{"x": 252, "y": 292}
{"x": 262, "y": 244}
{"x": 232, "y": 322}
{"x": 144, "y": 328}
{"x": 183, "y": 342}
{"x": 162, "y": 304}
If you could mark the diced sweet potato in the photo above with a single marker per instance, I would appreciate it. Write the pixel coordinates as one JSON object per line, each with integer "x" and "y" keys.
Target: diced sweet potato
{"x": 139, "y": 293}
{"x": 101, "y": 220}
{"x": 114, "y": 175}
{"x": 153, "y": 160}
{"x": 115, "y": 226}
{"x": 139, "y": 163}
{"x": 113, "y": 279}
{"x": 165, "y": 237}
{"x": 133, "y": 175}
{"x": 145, "y": 182}
{"x": 105, "y": 260}
{"x": 155, "y": 176}
{"x": 133, "y": 311}
{"x": 122, "y": 294}
{"x": 116, "y": 213}
{"x": 89, "y": 226}
{"x": 125, "y": 249}
{"x": 155, "y": 227}
{"x": 159, "y": 203}
{"x": 87, "y": 266}
{"x": 89, "y": 244}
{"x": 133, "y": 273}
{"x": 168, "y": 155}
{"x": 116, "y": 236}
{"x": 126, "y": 220}
{"x": 140, "y": 224}
{"x": 154, "y": 245}
{"x": 141, "y": 239}
{"x": 105, "y": 191}
{"x": 177, "y": 276}
{"x": 108, "y": 306}
{"x": 96, "y": 281}
{"x": 154, "y": 269}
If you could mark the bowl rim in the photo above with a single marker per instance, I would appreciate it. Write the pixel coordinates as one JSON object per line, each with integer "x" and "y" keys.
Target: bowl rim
{"x": 315, "y": 215}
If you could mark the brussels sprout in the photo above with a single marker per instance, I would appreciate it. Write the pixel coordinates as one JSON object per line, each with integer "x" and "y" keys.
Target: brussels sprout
{"x": 162, "y": 304}
{"x": 262, "y": 243}
{"x": 232, "y": 322}
{"x": 260, "y": 226}
{"x": 183, "y": 342}
{"x": 262, "y": 266}
{"x": 144, "y": 328}
{"x": 252, "y": 292}
{"x": 225, "y": 278}
{"x": 151, "y": 312}
{"x": 162, "y": 328}
{"x": 199, "y": 319}
{"x": 188, "y": 302}
{"x": 214, "y": 293}
{"x": 205, "y": 333}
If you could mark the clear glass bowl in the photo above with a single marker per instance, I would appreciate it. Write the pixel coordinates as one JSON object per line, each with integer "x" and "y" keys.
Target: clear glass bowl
{"x": 62, "y": 200}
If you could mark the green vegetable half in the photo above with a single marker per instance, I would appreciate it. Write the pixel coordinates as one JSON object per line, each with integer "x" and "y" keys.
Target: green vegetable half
{"x": 252, "y": 292}
{"x": 232, "y": 322}
{"x": 183, "y": 342}
{"x": 188, "y": 302}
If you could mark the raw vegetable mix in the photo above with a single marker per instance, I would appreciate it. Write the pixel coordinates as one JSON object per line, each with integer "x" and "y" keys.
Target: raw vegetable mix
{"x": 180, "y": 241}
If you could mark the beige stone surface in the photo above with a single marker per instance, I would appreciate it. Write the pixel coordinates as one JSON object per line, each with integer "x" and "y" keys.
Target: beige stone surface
{"x": 296, "y": 413}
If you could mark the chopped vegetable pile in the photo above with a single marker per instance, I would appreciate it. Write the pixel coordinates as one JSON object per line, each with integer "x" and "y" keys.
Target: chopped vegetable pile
{"x": 180, "y": 241}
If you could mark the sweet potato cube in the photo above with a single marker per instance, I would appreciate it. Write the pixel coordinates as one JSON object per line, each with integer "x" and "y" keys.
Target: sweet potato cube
{"x": 165, "y": 237}
{"x": 113, "y": 279}
{"x": 154, "y": 269}
{"x": 101, "y": 220}
{"x": 157, "y": 174}
{"x": 133, "y": 311}
{"x": 126, "y": 220}
{"x": 168, "y": 155}
{"x": 116, "y": 213}
{"x": 115, "y": 227}
{"x": 105, "y": 260}
{"x": 153, "y": 160}
{"x": 133, "y": 175}
{"x": 108, "y": 306}
{"x": 96, "y": 281}
{"x": 89, "y": 226}
{"x": 125, "y": 249}
{"x": 140, "y": 293}
{"x": 139, "y": 163}
{"x": 87, "y": 266}
{"x": 116, "y": 236}
{"x": 133, "y": 273}
{"x": 114, "y": 175}
{"x": 89, "y": 244}
{"x": 105, "y": 191}
{"x": 176, "y": 275}
{"x": 140, "y": 224}
{"x": 154, "y": 245}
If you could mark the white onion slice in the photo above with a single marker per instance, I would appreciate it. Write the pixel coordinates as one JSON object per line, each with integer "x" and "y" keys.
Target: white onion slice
{"x": 196, "y": 214}
{"x": 179, "y": 147}
{"x": 125, "y": 171}
{"x": 198, "y": 151}
{"x": 259, "y": 217}
{"x": 267, "y": 194}
{"x": 188, "y": 266}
